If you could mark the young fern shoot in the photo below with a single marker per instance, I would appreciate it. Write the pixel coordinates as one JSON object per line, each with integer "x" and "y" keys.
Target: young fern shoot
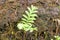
{"x": 27, "y": 21}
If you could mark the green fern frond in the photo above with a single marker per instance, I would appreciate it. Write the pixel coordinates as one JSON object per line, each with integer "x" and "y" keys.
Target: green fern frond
{"x": 28, "y": 19}
{"x": 30, "y": 14}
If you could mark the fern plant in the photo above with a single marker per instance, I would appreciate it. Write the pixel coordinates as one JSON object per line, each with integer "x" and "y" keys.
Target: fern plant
{"x": 28, "y": 19}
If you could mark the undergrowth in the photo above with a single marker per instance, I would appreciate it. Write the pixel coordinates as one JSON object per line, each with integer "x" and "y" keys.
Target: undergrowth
{"x": 27, "y": 21}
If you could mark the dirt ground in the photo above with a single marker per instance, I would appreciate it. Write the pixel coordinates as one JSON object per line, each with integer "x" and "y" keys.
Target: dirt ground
{"x": 11, "y": 12}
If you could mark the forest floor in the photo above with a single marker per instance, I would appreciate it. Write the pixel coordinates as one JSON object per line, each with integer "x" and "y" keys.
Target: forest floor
{"x": 11, "y": 12}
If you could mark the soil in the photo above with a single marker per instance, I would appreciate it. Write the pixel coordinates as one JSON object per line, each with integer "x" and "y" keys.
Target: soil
{"x": 11, "y": 12}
